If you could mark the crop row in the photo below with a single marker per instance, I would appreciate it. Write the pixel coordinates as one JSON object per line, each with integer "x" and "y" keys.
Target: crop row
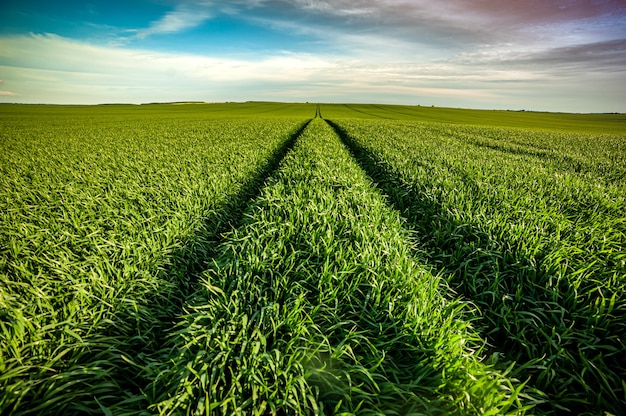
{"x": 103, "y": 222}
{"x": 530, "y": 227}
{"x": 315, "y": 305}
{"x": 236, "y": 259}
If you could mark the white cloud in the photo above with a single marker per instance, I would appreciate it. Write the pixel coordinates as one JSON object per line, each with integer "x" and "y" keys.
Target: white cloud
{"x": 6, "y": 93}
{"x": 49, "y": 68}
{"x": 185, "y": 16}
{"x": 52, "y": 69}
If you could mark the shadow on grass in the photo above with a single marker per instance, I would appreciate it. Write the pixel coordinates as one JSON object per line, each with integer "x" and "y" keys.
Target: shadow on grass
{"x": 195, "y": 254}
{"x": 526, "y": 316}
{"x": 567, "y": 163}
{"x": 111, "y": 367}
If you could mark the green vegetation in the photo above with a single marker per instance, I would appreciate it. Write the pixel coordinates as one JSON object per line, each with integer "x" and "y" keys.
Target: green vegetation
{"x": 237, "y": 258}
{"x": 530, "y": 227}
{"x": 588, "y": 123}
{"x": 105, "y": 215}
{"x": 316, "y": 305}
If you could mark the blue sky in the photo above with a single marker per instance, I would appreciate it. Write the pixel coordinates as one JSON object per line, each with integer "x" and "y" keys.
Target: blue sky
{"x": 554, "y": 55}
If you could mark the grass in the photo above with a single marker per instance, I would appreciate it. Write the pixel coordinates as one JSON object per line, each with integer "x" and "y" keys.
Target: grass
{"x": 562, "y": 122}
{"x": 236, "y": 258}
{"x": 100, "y": 231}
{"x": 315, "y": 306}
{"x": 531, "y": 231}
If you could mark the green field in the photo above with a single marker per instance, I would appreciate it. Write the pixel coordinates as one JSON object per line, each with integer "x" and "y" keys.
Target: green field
{"x": 274, "y": 258}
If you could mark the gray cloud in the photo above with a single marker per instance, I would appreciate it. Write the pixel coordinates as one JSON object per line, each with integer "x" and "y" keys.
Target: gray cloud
{"x": 445, "y": 21}
{"x": 417, "y": 27}
{"x": 571, "y": 60}
{"x": 599, "y": 55}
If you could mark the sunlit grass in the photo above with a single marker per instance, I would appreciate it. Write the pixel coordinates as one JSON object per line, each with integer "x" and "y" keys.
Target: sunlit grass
{"x": 530, "y": 227}
{"x": 190, "y": 259}
{"x": 316, "y": 305}
{"x": 102, "y": 225}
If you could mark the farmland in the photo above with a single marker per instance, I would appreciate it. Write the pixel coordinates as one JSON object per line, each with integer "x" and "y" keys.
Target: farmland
{"x": 271, "y": 258}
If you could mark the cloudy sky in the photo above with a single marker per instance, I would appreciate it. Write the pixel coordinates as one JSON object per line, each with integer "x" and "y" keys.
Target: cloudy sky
{"x": 555, "y": 55}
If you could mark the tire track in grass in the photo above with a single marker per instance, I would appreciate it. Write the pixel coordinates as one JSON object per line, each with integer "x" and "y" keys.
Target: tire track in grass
{"x": 107, "y": 369}
{"x": 375, "y": 115}
{"x": 195, "y": 255}
{"x": 393, "y": 109}
{"x": 315, "y": 306}
{"x": 318, "y": 113}
{"x": 562, "y": 343}
{"x": 605, "y": 170}
{"x": 189, "y": 262}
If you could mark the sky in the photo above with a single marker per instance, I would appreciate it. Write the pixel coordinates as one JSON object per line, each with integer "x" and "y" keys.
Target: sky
{"x": 539, "y": 55}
